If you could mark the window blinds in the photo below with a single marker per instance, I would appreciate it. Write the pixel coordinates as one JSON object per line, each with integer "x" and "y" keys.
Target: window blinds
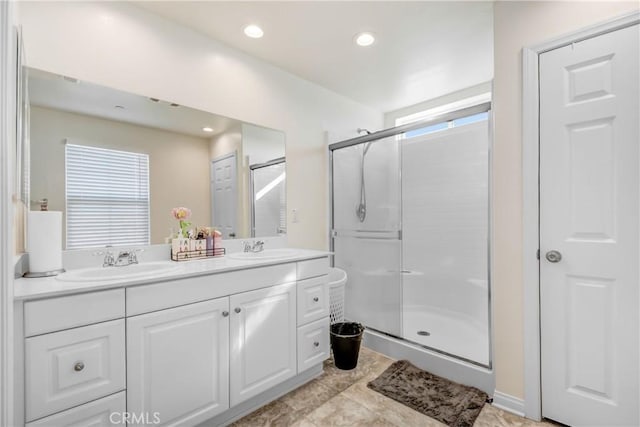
{"x": 107, "y": 196}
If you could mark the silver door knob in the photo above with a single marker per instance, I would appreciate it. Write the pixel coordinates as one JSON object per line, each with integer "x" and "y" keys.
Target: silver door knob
{"x": 238, "y": 310}
{"x": 316, "y": 344}
{"x": 225, "y": 313}
{"x": 78, "y": 367}
{"x": 553, "y": 256}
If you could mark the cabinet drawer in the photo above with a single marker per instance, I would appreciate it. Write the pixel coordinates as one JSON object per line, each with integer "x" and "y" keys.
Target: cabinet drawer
{"x": 313, "y": 299}
{"x": 313, "y": 344}
{"x": 56, "y": 314}
{"x": 148, "y": 298}
{"x": 68, "y": 368}
{"x": 96, "y": 413}
{"x": 312, "y": 268}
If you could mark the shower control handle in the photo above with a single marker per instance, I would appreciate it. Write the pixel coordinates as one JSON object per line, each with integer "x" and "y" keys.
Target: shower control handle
{"x": 553, "y": 256}
{"x": 316, "y": 299}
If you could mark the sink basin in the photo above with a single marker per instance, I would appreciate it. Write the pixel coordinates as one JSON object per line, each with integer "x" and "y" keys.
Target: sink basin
{"x": 103, "y": 274}
{"x": 264, "y": 255}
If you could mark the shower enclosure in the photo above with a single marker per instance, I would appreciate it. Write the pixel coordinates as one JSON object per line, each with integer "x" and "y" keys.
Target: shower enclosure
{"x": 410, "y": 225}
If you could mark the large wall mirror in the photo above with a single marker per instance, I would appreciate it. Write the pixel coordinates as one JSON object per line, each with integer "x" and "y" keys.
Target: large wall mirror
{"x": 116, "y": 164}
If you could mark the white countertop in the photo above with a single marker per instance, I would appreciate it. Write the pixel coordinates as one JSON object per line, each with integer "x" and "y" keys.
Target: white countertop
{"x": 49, "y": 286}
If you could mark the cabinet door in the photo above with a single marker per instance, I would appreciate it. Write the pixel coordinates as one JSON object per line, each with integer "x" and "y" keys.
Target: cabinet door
{"x": 263, "y": 340}
{"x": 178, "y": 363}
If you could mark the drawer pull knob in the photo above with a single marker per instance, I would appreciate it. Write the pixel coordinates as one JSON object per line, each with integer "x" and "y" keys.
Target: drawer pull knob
{"x": 316, "y": 344}
{"x": 238, "y": 310}
{"x": 316, "y": 299}
{"x": 78, "y": 367}
{"x": 225, "y": 313}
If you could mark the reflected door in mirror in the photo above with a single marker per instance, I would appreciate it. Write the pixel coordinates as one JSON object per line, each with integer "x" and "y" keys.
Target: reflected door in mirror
{"x": 224, "y": 195}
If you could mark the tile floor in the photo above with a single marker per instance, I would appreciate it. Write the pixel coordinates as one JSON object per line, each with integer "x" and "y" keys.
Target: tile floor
{"x": 342, "y": 398}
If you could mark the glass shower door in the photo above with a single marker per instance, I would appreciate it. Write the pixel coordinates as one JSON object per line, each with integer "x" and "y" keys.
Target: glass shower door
{"x": 366, "y": 232}
{"x": 445, "y": 181}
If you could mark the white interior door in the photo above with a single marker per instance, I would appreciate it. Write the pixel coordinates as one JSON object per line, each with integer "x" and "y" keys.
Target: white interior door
{"x": 224, "y": 195}
{"x": 589, "y": 197}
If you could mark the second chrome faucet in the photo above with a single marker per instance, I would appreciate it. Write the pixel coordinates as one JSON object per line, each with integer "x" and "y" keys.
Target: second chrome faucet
{"x": 258, "y": 246}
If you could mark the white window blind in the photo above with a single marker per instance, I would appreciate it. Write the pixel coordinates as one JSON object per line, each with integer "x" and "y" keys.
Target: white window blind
{"x": 107, "y": 195}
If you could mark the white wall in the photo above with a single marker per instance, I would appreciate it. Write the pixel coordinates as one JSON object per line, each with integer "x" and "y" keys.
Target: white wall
{"x": 516, "y": 25}
{"x": 122, "y": 46}
{"x": 261, "y": 145}
{"x": 178, "y": 164}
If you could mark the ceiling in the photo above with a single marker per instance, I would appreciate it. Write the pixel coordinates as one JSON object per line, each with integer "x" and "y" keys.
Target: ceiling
{"x": 423, "y": 49}
{"x": 67, "y": 94}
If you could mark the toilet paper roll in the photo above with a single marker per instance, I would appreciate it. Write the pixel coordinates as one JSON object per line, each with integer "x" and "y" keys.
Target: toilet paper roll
{"x": 44, "y": 231}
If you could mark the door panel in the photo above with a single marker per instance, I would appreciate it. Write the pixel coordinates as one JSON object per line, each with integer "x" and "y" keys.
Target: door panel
{"x": 224, "y": 196}
{"x": 177, "y": 363}
{"x": 263, "y": 340}
{"x": 589, "y": 210}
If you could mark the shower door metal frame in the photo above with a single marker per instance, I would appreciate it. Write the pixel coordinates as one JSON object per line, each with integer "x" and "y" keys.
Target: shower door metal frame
{"x": 484, "y": 107}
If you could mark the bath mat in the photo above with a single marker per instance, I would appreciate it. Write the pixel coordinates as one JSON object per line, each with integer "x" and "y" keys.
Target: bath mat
{"x": 450, "y": 403}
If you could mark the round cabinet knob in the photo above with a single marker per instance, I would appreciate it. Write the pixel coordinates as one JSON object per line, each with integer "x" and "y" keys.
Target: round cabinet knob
{"x": 553, "y": 256}
{"x": 79, "y": 366}
{"x": 316, "y": 299}
{"x": 316, "y": 344}
{"x": 238, "y": 310}
{"x": 225, "y": 313}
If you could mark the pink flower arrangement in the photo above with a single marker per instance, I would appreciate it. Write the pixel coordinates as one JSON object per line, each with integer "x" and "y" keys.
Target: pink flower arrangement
{"x": 182, "y": 214}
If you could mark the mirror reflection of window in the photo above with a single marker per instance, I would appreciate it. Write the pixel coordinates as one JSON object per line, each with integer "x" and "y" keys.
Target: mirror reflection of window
{"x": 268, "y": 183}
{"x": 107, "y": 197}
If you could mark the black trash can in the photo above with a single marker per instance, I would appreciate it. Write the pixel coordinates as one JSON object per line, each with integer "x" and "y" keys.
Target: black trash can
{"x": 345, "y": 342}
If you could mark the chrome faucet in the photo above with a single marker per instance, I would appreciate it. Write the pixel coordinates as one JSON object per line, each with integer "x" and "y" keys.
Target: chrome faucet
{"x": 124, "y": 258}
{"x": 258, "y": 246}
{"x": 109, "y": 259}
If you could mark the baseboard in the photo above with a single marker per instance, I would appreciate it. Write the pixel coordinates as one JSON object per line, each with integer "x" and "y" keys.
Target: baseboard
{"x": 508, "y": 403}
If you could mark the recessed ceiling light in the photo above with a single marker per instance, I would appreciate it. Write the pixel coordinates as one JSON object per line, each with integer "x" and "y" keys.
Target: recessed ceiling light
{"x": 365, "y": 39}
{"x": 253, "y": 31}
{"x": 207, "y": 129}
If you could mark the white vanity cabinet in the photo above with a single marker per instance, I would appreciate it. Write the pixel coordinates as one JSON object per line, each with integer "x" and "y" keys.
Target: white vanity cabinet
{"x": 205, "y": 348}
{"x": 263, "y": 336}
{"x": 178, "y": 363}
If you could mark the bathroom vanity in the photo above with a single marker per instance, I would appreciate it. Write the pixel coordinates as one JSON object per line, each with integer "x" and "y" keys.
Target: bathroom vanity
{"x": 204, "y": 341}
